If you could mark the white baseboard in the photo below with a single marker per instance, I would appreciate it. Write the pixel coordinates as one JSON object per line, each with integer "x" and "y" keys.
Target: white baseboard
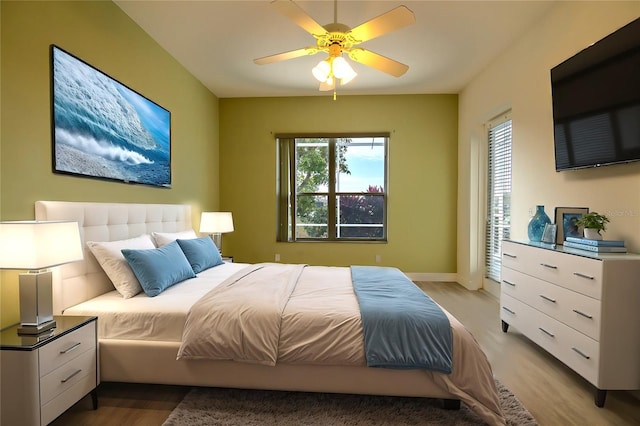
{"x": 427, "y": 276}
{"x": 492, "y": 287}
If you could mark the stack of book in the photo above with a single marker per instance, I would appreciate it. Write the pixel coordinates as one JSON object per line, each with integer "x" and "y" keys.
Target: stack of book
{"x": 597, "y": 246}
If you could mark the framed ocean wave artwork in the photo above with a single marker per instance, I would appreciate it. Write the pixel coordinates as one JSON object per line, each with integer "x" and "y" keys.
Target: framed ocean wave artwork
{"x": 103, "y": 129}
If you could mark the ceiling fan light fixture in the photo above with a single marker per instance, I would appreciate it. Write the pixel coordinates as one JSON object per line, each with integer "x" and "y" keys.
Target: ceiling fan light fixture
{"x": 341, "y": 67}
{"x": 347, "y": 78}
{"x": 322, "y": 71}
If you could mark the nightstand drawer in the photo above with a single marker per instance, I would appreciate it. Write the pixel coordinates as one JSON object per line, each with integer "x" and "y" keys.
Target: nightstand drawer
{"x": 61, "y": 379}
{"x": 58, "y": 405}
{"x": 67, "y": 348}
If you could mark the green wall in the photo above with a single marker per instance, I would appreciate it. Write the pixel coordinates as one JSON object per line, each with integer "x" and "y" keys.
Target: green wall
{"x": 422, "y": 176}
{"x": 101, "y": 34}
{"x": 232, "y": 167}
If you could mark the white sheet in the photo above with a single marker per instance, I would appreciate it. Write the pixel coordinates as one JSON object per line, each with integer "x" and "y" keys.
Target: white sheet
{"x": 311, "y": 316}
{"x": 159, "y": 318}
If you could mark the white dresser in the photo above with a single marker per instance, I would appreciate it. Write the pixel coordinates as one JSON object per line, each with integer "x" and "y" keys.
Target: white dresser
{"x": 42, "y": 376}
{"x": 582, "y": 308}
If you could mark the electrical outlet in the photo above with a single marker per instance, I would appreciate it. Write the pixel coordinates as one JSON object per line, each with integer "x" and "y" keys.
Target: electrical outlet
{"x": 378, "y": 258}
{"x": 277, "y": 257}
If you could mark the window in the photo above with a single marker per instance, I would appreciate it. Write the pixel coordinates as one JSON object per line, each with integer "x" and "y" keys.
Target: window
{"x": 332, "y": 188}
{"x": 498, "y": 193}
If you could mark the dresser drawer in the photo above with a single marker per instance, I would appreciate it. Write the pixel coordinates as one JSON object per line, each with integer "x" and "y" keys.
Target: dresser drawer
{"x": 67, "y": 347}
{"x": 581, "y": 274}
{"x": 578, "y": 311}
{"x": 573, "y": 309}
{"x": 514, "y": 283}
{"x": 516, "y": 313}
{"x": 573, "y": 348}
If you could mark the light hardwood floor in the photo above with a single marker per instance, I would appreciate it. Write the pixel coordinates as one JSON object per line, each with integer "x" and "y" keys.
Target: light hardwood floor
{"x": 553, "y": 393}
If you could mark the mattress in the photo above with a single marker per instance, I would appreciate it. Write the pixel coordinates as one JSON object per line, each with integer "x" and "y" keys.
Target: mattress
{"x": 159, "y": 318}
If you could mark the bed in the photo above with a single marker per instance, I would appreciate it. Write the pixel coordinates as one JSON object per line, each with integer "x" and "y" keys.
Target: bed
{"x": 140, "y": 337}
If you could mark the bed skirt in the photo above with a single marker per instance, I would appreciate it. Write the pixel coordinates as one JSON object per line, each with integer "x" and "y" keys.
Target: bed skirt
{"x": 155, "y": 362}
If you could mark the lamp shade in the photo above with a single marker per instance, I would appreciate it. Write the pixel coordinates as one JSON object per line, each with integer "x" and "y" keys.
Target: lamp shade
{"x": 216, "y": 222}
{"x": 33, "y": 245}
{"x": 322, "y": 70}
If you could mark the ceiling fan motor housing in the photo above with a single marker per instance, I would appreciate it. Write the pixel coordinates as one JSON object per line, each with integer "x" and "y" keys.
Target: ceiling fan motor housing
{"x": 337, "y": 33}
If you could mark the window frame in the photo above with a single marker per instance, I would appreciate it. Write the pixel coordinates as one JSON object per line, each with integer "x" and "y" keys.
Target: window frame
{"x": 500, "y": 230}
{"x": 286, "y": 183}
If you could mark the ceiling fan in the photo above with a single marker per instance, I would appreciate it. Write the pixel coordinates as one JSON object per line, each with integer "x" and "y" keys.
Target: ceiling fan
{"x": 336, "y": 38}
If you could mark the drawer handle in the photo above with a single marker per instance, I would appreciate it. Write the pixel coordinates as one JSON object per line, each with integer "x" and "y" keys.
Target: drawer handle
{"x": 70, "y": 376}
{"x": 508, "y": 310}
{"x": 508, "y": 283}
{"x": 548, "y": 333}
{"x": 547, "y": 298}
{"x": 578, "y": 274}
{"x": 512, "y": 256}
{"x": 75, "y": 346}
{"x": 581, "y": 353}
{"x": 546, "y": 265}
{"x": 583, "y": 314}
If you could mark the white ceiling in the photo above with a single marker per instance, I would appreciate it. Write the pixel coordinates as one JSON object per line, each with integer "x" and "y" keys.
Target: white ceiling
{"x": 216, "y": 41}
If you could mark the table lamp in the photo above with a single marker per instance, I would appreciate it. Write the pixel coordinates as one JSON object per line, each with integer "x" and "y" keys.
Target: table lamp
{"x": 36, "y": 246}
{"x": 215, "y": 224}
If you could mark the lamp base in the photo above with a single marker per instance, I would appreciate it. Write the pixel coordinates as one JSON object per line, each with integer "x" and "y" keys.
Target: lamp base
{"x": 36, "y": 307}
{"x": 217, "y": 240}
{"x": 30, "y": 330}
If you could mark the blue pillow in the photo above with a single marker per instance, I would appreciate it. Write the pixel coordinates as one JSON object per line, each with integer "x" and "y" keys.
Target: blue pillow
{"x": 158, "y": 269}
{"x": 201, "y": 253}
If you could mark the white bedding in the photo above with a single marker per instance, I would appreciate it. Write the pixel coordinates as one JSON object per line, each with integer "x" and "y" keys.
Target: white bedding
{"x": 159, "y": 318}
{"x": 162, "y": 319}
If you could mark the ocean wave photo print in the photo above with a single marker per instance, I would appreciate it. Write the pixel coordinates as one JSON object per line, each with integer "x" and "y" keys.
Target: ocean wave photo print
{"x": 103, "y": 129}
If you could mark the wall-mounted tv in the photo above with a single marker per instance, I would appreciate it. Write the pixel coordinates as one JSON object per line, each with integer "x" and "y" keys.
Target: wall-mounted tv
{"x": 103, "y": 129}
{"x": 596, "y": 103}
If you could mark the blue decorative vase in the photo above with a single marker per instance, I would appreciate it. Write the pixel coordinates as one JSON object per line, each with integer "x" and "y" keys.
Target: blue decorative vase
{"x": 537, "y": 223}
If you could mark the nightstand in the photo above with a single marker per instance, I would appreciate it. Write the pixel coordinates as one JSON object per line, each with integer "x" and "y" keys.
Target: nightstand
{"x": 44, "y": 375}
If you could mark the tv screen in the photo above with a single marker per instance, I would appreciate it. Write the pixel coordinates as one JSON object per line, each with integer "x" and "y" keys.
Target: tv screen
{"x": 596, "y": 103}
{"x": 103, "y": 129}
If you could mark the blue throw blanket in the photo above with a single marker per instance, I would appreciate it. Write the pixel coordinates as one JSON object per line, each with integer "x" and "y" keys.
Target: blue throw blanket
{"x": 403, "y": 327}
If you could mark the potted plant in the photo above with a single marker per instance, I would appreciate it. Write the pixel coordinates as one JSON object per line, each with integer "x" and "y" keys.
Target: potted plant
{"x": 593, "y": 223}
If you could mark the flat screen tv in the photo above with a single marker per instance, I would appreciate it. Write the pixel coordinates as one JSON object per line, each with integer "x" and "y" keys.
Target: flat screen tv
{"x": 103, "y": 129}
{"x": 596, "y": 103}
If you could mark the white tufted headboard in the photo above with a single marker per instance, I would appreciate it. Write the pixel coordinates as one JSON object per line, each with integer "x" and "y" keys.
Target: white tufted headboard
{"x": 76, "y": 282}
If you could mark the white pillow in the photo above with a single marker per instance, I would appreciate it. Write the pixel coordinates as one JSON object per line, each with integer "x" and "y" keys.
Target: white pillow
{"x": 110, "y": 257}
{"x": 164, "y": 238}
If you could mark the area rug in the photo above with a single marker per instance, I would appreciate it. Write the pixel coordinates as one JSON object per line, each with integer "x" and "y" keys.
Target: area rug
{"x": 236, "y": 407}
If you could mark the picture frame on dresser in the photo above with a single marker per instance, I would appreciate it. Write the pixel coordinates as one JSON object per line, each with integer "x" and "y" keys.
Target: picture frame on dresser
{"x": 549, "y": 234}
{"x": 565, "y": 218}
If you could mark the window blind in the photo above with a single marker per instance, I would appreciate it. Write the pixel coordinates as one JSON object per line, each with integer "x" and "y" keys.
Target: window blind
{"x": 498, "y": 224}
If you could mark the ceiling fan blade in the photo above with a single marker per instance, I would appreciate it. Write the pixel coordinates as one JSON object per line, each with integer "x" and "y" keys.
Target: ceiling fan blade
{"x": 324, "y": 87}
{"x": 286, "y": 55}
{"x": 392, "y": 20}
{"x": 294, "y": 12}
{"x": 379, "y": 62}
